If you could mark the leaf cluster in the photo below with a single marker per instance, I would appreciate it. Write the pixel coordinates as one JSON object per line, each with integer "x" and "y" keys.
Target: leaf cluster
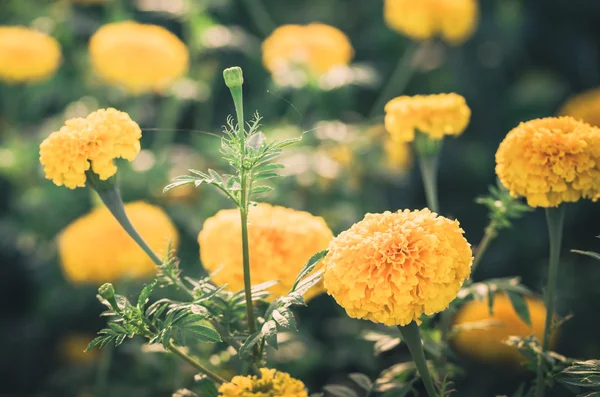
{"x": 502, "y": 207}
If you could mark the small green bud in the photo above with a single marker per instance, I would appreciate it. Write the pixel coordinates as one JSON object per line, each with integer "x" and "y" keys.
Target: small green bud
{"x": 233, "y": 77}
{"x": 107, "y": 291}
{"x": 427, "y": 146}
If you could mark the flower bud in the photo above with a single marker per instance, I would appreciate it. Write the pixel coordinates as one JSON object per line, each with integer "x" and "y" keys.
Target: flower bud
{"x": 233, "y": 77}
{"x": 107, "y": 291}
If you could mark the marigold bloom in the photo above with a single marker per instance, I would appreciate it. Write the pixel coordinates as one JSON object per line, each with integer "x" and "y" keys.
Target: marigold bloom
{"x": 435, "y": 115}
{"x": 27, "y": 55}
{"x": 390, "y": 268}
{"x": 315, "y": 47}
{"x": 453, "y": 20}
{"x": 96, "y": 249}
{"x": 480, "y": 335}
{"x": 281, "y": 242}
{"x": 140, "y": 58}
{"x": 550, "y": 161}
{"x": 399, "y": 155}
{"x": 272, "y": 383}
{"x": 584, "y": 106}
{"x": 94, "y": 142}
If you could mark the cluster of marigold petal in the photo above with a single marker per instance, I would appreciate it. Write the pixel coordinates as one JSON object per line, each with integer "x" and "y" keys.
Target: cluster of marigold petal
{"x": 138, "y": 57}
{"x": 435, "y": 115}
{"x": 281, "y": 242}
{"x": 90, "y": 143}
{"x": 272, "y": 383}
{"x": 550, "y": 161}
{"x": 480, "y": 335}
{"x": 453, "y": 20}
{"x": 96, "y": 249}
{"x": 584, "y": 106}
{"x": 391, "y": 268}
{"x": 27, "y": 55}
{"x": 315, "y": 47}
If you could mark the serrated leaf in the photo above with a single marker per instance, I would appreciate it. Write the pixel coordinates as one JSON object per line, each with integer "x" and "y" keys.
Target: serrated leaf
{"x": 205, "y": 333}
{"x": 520, "y": 306}
{"x": 287, "y": 142}
{"x": 177, "y": 184}
{"x": 145, "y": 294}
{"x": 266, "y": 175}
{"x": 268, "y": 168}
{"x": 249, "y": 343}
{"x": 362, "y": 380}
{"x": 309, "y": 267}
{"x": 588, "y": 253}
{"x": 215, "y": 176}
{"x": 293, "y": 298}
{"x": 264, "y": 286}
{"x": 261, "y": 189}
{"x": 269, "y": 331}
{"x": 285, "y": 319}
{"x": 200, "y": 173}
{"x": 95, "y": 342}
{"x": 309, "y": 282}
{"x": 340, "y": 391}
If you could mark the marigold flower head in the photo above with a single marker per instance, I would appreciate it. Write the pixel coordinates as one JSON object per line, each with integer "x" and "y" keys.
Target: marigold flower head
{"x": 435, "y": 115}
{"x": 315, "y": 47}
{"x": 584, "y": 106}
{"x": 272, "y": 383}
{"x": 453, "y": 20}
{"x": 550, "y": 161}
{"x": 480, "y": 336}
{"x": 96, "y": 249}
{"x": 281, "y": 242}
{"x": 138, "y": 57}
{"x": 27, "y": 55}
{"x": 390, "y": 268}
{"x": 93, "y": 142}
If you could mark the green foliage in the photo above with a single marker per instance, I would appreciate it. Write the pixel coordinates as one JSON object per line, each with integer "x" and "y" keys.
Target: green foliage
{"x": 582, "y": 375}
{"x": 502, "y": 207}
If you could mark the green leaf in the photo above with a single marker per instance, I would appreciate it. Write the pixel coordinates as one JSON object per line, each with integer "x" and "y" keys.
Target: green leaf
{"x": 520, "y": 306}
{"x": 309, "y": 282}
{"x": 588, "y": 253}
{"x": 261, "y": 189}
{"x": 200, "y": 173}
{"x": 97, "y": 341}
{"x": 145, "y": 294}
{"x": 215, "y": 176}
{"x": 264, "y": 286}
{"x": 340, "y": 391}
{"x": 256, "y": 141}
{"x": 287, "y": 142}
{"x": 179, "y": 183}
{"x": 268, "y": 168}
{"x": 309, "y": 266}
{"x": 249, "y": 343}
{"x": 285, "y": 319}
{"x": 207, "y": 388}
{"x": 362, "y": 380}
{"x": 269, "y": 331}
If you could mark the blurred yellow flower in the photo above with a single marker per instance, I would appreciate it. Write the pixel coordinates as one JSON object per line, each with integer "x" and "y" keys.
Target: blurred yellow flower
{"x": 96, "y": 249}
{"x": 272, "y": 383}
{"x": 93, "y": 142}
{"x": 391, "y": 268}
{"x": 550, "y": 161}
{"x": 281, "y": 242}
{"x": 72, "y": 348}
{"x": 479, "y": 335}
{"x": 137, "y": 57}
{"x": 584, "y": 106}
{"x": 434, "y": 115}
{"x": 399, "y": 155}
{"x": 27, "y": 55}
{"x": 454, "y": 20}
{"x": 316, "y": 48}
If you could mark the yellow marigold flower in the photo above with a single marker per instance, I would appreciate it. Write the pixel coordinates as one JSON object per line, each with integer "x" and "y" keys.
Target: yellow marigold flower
{"x": 550, "y": 161}
{"x": 315, "y": 47}
{"x": 480, "y": 335}
{"x": 390, "y": 268}
{"x": 281, "y": 242}
{"x": 399, "y": 155}
{"x": 584, "y": 107}
{"x": 453, "y": 20}
{"x": 140, "y": 58}
{"x": 435, "y": 115}
{"x": 94, "y": 142}
{"x": 27, "y": 55}
{"x": 272, "y": 383}
{"x": 96, "y": 249}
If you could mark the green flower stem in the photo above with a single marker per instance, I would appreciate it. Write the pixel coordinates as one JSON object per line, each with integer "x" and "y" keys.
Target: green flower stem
{"x": 260, "y": 17}
{"x": 491, "y": 231}
{"x": 398, "y": 80}
{"x": 428, "y": 165}
{"x": 196, "y": 364}
{"x": 112, "y": 199}
{"x": 411, "y": 335}
{"x": 555, "y": 218}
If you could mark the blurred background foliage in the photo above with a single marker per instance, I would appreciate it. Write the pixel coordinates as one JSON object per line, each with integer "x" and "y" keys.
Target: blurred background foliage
{"x": 525, "y": 59}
